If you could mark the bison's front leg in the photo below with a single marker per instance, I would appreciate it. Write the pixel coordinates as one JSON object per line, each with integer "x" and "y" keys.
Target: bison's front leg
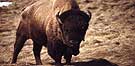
{"x": 55, "y": 56}
{"x": 68, "y": 56}
{"x": 54, "y": 51}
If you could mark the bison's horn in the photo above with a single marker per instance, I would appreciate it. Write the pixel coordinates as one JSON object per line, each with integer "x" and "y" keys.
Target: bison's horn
{"x": 89, "y": 13}
{"x": 58, "y": 18}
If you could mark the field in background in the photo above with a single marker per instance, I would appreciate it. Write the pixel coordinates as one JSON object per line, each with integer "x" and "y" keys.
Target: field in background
{"x": 111, "y": 34}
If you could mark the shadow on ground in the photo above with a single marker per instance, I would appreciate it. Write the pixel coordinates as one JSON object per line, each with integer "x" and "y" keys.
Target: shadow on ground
{"x": 94, "y": 62}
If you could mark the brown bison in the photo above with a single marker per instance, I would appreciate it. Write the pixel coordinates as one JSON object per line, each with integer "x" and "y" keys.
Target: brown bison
{"x": 59, "y": 25}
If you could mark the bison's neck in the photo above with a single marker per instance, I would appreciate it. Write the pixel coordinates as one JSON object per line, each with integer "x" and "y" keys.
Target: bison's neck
{"x": 53, "y": 29}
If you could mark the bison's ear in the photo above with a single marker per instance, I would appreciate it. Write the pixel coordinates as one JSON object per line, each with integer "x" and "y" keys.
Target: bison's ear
{"x": 58, "y": 18}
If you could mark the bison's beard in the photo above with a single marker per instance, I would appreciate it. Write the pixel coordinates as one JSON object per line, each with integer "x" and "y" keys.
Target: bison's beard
{"x": 73, "y": 51}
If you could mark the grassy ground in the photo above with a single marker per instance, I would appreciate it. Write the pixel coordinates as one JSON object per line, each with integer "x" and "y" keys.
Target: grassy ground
{"x": 111, "y": 34}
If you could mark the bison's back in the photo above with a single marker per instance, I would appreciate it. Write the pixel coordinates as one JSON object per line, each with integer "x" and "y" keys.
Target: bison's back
{"x": 38, "y": 11}
{"x": 44, "y": 9}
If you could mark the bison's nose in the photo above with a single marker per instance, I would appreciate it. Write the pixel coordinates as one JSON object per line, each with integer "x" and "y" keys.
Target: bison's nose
{"x": 73, "y": 42}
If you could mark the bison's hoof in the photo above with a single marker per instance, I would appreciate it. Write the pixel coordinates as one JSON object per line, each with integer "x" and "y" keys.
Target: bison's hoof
{"x": 39, "y": 64}
{"x": 58, "y": 64}
{"x": 68, "y": 63}
{"x": 13, "y": 62}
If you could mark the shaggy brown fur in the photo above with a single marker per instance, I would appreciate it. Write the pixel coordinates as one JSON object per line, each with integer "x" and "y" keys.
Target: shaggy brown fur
{"x": 46, "y": 23}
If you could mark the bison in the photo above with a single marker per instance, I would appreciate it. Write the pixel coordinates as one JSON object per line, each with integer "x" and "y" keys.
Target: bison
{"x": 59, "y": 25}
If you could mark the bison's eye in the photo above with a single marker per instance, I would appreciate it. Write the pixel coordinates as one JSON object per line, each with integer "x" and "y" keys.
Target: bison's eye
{"x": 83, "y": 28}
{"x": 67, "y": 31}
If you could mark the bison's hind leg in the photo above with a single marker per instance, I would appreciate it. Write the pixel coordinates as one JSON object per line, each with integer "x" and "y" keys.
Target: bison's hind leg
{"x": 20, "y": 40}
{"x": 37, "y": 49}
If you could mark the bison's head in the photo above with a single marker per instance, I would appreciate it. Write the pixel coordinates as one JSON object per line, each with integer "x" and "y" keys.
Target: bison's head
{"x": 73, "y": 24}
